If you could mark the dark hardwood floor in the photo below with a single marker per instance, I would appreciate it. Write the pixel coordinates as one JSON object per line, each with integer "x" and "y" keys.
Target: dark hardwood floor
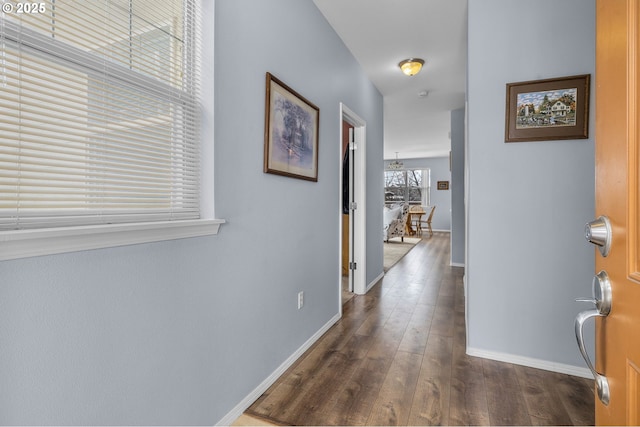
{"x": 397, "y": 357}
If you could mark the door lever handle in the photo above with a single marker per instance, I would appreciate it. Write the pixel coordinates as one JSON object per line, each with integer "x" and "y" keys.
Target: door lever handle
{"x": 602, "y": 384}
{"x": 601, "y": 291}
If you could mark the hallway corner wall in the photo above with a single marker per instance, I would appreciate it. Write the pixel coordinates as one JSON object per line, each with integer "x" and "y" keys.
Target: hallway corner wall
{"x": 458, "y": 224}
{"x": 528, "y": 201}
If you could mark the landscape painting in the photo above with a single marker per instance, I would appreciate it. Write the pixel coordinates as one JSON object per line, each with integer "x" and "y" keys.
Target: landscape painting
{"x": 548, "y": 109}
{"x": 291, "y": 133}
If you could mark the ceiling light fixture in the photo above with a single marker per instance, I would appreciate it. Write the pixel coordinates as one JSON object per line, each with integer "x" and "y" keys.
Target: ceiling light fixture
{"x": 396, "y": 164}
{"x": 411, "y": 66}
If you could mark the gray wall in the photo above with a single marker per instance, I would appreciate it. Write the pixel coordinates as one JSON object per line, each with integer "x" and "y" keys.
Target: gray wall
{"x": 179, "y": 332}
{"x": 439, "y": 167}
{"x": 457, "y": 188}
{"x": 528, "y": 202}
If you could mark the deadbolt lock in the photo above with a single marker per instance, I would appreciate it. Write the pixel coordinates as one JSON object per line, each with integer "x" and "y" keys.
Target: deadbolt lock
{"x": 598, "y": 232}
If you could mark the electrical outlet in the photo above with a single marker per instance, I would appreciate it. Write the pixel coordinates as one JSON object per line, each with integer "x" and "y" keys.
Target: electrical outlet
{"x": 300, "y": 299}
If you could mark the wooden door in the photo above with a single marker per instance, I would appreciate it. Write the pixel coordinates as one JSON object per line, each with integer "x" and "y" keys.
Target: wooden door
{"x": 617, "y": 196}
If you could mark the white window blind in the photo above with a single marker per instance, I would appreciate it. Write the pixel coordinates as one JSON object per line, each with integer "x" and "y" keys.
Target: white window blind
{"x": 99, "y": 113}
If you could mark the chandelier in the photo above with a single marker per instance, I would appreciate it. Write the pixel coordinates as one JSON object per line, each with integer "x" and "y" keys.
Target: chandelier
{"x": 396, "y": 164}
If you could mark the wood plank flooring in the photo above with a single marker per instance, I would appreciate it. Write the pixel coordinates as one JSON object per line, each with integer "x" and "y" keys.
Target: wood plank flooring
{"x": 397, "y": 357}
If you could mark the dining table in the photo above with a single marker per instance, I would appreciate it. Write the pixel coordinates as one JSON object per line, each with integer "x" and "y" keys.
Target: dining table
{"x": 414, "y": 215}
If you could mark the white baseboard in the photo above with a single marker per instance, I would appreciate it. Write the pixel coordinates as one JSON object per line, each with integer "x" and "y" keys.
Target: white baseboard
{"x": 531, "y": 362}
{"x": 375, "y": 281}
{"x": 456, "y": 264}
{"x": 233, "y": 415}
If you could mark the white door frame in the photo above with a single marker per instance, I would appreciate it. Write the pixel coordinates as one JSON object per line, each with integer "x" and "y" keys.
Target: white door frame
{"x": 357, "y": 239}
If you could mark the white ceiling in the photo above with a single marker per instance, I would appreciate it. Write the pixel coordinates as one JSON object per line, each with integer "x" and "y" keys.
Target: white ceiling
{"x": 380, "y": 34}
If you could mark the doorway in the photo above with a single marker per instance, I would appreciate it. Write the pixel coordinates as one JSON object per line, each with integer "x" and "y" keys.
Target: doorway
{"x": 347, "y": 227}
{"x": 353, "y": 201}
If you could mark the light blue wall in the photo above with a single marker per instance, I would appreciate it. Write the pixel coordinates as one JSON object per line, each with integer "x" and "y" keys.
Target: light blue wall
{"x": 180, "y": 332}
{"x": 528, "y": 202}
{"x": 439, "y": 167}
{"x": 291, "y": 40}
{"x": 457, "y": 188}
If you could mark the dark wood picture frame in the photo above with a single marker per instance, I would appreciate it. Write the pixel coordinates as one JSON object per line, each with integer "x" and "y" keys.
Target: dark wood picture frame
{"x": 291, "y": 132}
{"x": 549, "y": 109}
{"x": 443, "y": 185}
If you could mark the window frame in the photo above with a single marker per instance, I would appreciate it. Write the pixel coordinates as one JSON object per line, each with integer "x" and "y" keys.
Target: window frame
{"x": 407, "y": 188}
{"x": 16, "y": 244}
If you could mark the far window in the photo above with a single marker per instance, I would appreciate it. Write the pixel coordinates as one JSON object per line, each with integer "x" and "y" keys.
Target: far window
{"x": 407, "y": 185}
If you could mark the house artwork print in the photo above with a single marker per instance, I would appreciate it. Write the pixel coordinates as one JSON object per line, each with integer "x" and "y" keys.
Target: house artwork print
{"x": 552, "y": 108}
{"x": 548, "y": 109}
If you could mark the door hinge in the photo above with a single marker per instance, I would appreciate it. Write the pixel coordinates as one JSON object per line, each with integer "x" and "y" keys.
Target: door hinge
{"x": 353, "y": 266}
{"x": 353, "y": 146}
{"x": 353, "y": 206}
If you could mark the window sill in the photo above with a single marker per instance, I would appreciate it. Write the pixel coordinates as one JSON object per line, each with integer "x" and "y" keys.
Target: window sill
{"x": 29, "y": 243}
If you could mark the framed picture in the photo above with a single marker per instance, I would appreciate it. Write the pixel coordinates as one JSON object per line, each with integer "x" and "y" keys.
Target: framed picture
{"x": 550, "y": 109}
{"x": 443, "y": 185}
{"x": 290, "y": 132}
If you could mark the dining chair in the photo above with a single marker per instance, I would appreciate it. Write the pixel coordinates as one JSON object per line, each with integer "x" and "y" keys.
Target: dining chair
{"x": 427, "y": 221}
